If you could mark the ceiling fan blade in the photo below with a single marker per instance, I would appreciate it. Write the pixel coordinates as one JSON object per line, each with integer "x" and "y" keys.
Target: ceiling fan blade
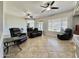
{"x": 28, "y": 14}
{"x": 43, "y": 10}
{"x": 52, "y": 3}
{"x": 46, "y": 5}
{"x": 54, "y": 8}
{"x": 31, "y": 17}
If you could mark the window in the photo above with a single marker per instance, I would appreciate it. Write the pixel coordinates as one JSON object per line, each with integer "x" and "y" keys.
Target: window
{"x": 40, "y": 25}
{"x": 30, "y": 23}
{"x": 57, "y": 24}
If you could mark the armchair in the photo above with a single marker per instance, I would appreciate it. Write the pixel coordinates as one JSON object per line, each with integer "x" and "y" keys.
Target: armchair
{"x": 68, "y": 34}
{"x": 33, "y": 32}
{"x": 16, "y": 32}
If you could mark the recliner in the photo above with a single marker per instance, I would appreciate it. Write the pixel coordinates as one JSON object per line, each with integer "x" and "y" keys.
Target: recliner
{"x": 33, "y": 32}
{"x": 68, "y": 34}
{"x": 16, "y": 32}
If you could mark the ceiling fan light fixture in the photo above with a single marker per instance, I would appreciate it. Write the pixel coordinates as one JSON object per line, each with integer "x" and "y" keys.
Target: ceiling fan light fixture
{"x": 28, "y": 16}
{"x": 48, "y": 8}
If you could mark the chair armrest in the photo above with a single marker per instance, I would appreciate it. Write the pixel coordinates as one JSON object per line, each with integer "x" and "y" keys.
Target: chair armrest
{"x": 39, "y": 31}
{"x": 23, "y": 33}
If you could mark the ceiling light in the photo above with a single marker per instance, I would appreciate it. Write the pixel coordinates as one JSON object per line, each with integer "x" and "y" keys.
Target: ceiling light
{"x": 28, "y": 16}
{"x": 48, "y": 8}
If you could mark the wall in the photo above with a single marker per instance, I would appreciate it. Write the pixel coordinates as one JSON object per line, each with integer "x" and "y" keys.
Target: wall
{"x": 13, "y": 21}
{"x": 1, "y": 29}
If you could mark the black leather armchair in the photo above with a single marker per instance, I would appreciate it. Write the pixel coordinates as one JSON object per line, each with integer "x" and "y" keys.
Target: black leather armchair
{"x": 68, "y": 34}
{"x": 16, "y": 32}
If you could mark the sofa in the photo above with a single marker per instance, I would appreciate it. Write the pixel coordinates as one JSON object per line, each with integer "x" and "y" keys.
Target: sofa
{"x": 33, "y": 32}
{"x": 67, "y": 35}
{"x": 16, "y": 32}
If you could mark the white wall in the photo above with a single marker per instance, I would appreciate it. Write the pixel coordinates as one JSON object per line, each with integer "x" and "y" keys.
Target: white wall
{"x": 1, "y": 29}
{"x": 13, "y": 21}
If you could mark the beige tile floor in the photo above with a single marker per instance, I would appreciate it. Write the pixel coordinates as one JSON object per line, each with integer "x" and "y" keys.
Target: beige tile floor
{"x": 44, "y": 47}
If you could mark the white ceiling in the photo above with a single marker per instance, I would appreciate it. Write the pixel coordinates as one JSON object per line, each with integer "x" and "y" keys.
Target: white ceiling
{"x": 18, "y": 7}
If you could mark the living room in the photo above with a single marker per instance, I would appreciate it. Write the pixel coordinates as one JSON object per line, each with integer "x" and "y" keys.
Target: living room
{"x": 41, "y": 23}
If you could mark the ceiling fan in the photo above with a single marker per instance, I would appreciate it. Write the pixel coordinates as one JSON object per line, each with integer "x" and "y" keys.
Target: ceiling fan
{"x": 29, "y": 16}
{"x": 48, "y": 6}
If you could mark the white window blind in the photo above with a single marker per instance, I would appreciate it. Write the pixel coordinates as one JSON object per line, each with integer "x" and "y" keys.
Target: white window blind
{"x": 40, "y": 25}
{"x": 31, "y": 23}
{"x": 57, "y": 24}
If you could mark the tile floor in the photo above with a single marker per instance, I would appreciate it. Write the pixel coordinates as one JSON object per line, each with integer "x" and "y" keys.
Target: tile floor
{"x": 44, "y": 47}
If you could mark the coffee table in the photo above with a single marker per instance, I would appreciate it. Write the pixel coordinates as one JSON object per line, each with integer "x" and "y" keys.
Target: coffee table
{"x": 8, "y": 40}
